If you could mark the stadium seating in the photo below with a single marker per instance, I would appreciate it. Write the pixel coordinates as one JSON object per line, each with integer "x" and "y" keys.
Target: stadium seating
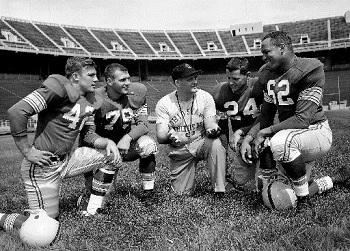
{"x": 160, "y": 42}
{"x": 33, "y": 35}
{"x": 112, "y": 42}
{"x": 209, "y": 42}
{"x": 233, "y": 44}
{"x": 87, "y": 41}
{"x": 184, "y": 41}
{"x": 136, "y": 43}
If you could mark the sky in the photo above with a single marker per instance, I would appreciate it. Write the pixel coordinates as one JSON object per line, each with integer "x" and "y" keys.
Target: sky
{"x": 170, "y": 14}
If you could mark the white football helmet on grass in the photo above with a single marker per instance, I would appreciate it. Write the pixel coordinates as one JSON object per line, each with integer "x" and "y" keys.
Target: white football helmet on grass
{"x": 39, "y": 229}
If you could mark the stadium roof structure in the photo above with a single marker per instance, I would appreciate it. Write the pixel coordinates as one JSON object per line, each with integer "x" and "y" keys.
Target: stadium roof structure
{"x": 55, "y": 39}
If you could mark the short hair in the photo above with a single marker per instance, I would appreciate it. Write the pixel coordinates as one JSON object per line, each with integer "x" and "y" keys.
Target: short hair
{"x": 279, "y": 38}
{"x": 111, "y": 68}
{"x": 76, "y": 64}
{"x": 238, "y": 63}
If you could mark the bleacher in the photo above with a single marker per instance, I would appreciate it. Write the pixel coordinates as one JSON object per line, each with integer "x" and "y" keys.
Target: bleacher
{"x": 87, "y": 41}
{"x": 13, "y": 42}
{"x": 160, "y": 42}
{"x": 32, "y": 34}
{"x": 136, "y": 43}
{"x": 35, "y": 37}
{"x": 234, "y": 44}
{"x": 209, "y": 42}
{"x": 184, "y": 41}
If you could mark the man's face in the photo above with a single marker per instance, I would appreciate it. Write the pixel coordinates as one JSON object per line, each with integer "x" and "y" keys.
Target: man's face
{"x": 87, "y": 79}
{"x": 121, "y": 81}
{"x": 189, "y": 84}
{"x": 272, "y": 55}
{"x": 236, "y": 79}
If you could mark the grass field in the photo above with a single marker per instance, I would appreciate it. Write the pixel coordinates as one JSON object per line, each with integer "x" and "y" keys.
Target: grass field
{"x": 236, "y": 221}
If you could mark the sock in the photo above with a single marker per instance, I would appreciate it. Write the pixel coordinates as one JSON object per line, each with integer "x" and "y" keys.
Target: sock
{"x": 10, "y": 221}
{"x": 301, "y": 186}
{"x": 147, "y": 170}
{"x": 95, "y": 202}
{"x": 147, "y": 181}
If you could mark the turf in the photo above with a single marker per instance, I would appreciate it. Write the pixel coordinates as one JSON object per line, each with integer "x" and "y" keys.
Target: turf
{"x": 164, "y": 221}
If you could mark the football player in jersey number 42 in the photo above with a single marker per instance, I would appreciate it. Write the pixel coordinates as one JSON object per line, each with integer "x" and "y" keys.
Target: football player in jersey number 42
{"x": 64, "y": 105}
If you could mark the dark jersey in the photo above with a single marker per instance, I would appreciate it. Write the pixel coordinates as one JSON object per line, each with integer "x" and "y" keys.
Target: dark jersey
{"x": 296, "y": 95}
{"x": 59, "y": 120}
{"x": 241, "y": 108}
{"x": 115, "y": 118}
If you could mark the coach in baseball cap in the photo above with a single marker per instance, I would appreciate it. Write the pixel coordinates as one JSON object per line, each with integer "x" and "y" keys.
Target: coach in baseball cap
{"x": 186, "y": 121}
{"x": 184, "y": 71}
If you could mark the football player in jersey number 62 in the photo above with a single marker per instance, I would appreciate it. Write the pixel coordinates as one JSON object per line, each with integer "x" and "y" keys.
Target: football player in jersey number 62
{"x": 293, "y": 88}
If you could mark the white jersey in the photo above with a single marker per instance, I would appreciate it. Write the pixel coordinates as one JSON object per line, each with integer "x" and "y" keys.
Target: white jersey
{"x": 186, "y": 118}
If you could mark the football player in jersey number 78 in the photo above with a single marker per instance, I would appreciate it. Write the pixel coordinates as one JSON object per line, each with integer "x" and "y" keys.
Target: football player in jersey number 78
{"x": 123, "y": 119}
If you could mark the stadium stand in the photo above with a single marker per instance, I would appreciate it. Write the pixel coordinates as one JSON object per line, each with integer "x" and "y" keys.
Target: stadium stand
{"x": 234, "y": 44}
{"x": 184, "y": 41}
{"x": 87, "y": 41}
{"x": 162, "y": 45}
{"x": 33, "y": 35}
{"x": 10, "y": 39}
{"x": 112, "y": 42}
{"x": 210, "y": 43}
{"x": 136, "y": 43}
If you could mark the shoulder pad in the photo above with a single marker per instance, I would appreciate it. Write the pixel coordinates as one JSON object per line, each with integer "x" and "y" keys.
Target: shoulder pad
{"x": 219, "y": 88}
{"x": 61, "y": 86}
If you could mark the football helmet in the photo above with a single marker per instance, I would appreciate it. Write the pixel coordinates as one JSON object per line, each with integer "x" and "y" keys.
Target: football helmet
{"x": 39, "y": 229}
{"x": 278, "y": 193}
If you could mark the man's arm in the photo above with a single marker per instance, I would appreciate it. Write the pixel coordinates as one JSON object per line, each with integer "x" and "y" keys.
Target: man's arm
{"x": 18, "y": 115}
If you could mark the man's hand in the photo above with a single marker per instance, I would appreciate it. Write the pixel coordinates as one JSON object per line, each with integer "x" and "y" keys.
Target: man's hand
{"x": 246, "y": 149}
{"x": 235, "y": 139}
{"x": 260, "y": 138}
{"x": 124, "y": 144}
{"x": 213, "y": 133}
{"x": 174, "y": 139}
{"x": 111, "y": 147}
{"x": 41, "y": 158}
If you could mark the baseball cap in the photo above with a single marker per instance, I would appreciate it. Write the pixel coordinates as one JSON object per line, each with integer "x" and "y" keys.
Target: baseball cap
{"x": 184, "y": 71}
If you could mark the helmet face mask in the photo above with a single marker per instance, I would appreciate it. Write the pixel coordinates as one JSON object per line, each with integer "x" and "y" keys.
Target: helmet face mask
{"x": 279, "y": 194}
{"x": 39, "y": 229}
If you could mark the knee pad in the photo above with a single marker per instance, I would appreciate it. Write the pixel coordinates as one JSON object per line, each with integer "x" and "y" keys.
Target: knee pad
{"x": 284, "y": 147}
{"x": 146, "y": 146}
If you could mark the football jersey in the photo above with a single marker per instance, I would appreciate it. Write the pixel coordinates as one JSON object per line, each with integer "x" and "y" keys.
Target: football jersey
{"x": 115, "y": 118}
{"x": 295, "y": 95}
{"x": 241, "y": 108}
{"x": 59, "y": 120}
{"x": 187, "y": 120}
